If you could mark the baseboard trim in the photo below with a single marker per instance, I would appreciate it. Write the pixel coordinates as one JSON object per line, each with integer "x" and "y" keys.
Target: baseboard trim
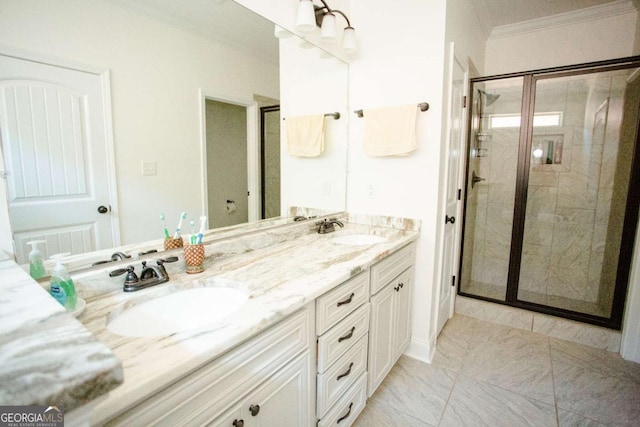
{"x": 421, "y": 350}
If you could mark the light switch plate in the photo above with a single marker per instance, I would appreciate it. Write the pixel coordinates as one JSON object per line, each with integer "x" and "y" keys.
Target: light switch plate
{"x": 149, "y": 168}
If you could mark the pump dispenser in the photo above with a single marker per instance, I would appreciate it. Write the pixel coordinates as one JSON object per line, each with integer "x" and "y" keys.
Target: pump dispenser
{"x": 61, "y": 285}
{"x": 36, "y": 266}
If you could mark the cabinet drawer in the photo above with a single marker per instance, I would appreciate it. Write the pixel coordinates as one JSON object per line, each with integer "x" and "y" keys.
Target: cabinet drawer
{"x": 206, "y": 393}
{"x": 341, "y": 375}
{"x": 391, "y": 266}
{"x": 337, "y": 340}
{"x": 335, "y": 305}
{"x": 347, "y": 409}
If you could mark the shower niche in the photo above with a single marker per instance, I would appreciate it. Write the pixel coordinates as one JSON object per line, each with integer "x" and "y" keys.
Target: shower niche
{"x": 552, "y": 191}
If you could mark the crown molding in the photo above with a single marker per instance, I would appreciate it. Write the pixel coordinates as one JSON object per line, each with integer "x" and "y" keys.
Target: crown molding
{"x": 615, "y": 8}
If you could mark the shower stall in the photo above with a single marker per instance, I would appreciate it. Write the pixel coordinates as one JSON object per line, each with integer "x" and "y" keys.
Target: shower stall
{"x": 552, "y": 190}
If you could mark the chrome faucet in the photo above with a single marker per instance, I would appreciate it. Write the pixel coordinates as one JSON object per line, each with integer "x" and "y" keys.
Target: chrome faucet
{"x": 327, "y": 226}
{"x": 149, "y": 276}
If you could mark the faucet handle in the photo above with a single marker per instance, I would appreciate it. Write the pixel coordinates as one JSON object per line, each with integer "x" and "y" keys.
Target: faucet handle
{"x": 131, "y": 276}
{"x": 169, "y": 259}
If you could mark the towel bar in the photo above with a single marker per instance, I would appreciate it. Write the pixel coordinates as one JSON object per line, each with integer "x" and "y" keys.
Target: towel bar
{"x": 424, "y": 106}
{"x": 336, "y": 116}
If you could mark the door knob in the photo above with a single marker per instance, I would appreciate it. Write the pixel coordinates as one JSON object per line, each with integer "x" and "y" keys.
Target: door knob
{"x": 449, "y": 219}
{"x": 103, "y": 209}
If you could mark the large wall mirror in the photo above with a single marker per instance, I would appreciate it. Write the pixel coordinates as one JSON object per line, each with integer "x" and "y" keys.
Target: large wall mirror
{"x": 186, "y": 83}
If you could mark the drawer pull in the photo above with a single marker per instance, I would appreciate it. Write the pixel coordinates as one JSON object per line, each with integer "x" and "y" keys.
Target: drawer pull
{"x": 254, "y": 409}
{"x": 345, "y": 416}
{"x": 238, "y": 423}
{"x": 346, "y": 373}
{"x": 349, "y": 335}
{"x": 348, "y": 300}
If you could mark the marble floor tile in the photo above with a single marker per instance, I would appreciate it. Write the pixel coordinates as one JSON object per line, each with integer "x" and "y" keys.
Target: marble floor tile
{"x": 476, "y": 403}
{"x": 594, "y": 359}
{"x": 453, "y": 342}
{"x": 417, "y": 389}
{"x": 595, "y": 395}
{"x": 380, "y": 414}
{"x": 569, "y": 419}
{"x": 494, "y": 375}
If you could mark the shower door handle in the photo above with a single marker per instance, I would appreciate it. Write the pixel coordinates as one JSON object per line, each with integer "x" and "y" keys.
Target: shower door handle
{"x": 449, "y": 219}
{"x": 475, "y": 179}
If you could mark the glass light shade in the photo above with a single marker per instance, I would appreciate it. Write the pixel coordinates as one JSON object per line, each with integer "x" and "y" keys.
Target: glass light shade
{"x": 349, "y": 45}
{"x": 328, "y": 33}
{"x": 306, "y": 18}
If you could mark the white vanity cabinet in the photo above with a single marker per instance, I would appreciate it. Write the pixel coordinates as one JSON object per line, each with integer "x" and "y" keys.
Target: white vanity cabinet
{"x": 390, "y": 322}
{"x": 266, "y": 381}
{"x": 342, "y": 326}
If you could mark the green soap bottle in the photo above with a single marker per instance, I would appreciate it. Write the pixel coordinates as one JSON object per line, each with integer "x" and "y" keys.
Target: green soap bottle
{"x": 61, "y": 286}
{"x": 36, "y": 266}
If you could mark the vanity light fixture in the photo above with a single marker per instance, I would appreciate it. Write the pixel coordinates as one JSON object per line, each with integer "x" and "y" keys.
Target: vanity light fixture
{"x": 311, "y": 16}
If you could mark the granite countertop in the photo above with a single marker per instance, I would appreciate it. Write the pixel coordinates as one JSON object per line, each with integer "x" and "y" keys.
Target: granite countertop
{"x": 280, "y": 279}
{"x": 49, "y": 357}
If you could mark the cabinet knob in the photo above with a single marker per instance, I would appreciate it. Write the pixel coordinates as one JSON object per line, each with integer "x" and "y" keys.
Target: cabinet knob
{"x": 238, "y": 423}
{"x": 254, "y": 409}
{"x": 396, "y": 288}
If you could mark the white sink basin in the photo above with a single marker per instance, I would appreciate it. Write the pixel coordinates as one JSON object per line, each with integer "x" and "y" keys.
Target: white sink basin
{"x": 358, "y": 239}
{"x": 179, "y": 311}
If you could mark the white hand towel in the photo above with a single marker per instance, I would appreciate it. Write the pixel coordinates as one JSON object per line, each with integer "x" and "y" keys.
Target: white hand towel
{"x": 305, "y": 135}
{"x": 390, "y": 131}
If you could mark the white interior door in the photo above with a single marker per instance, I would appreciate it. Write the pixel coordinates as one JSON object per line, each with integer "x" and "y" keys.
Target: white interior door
{"x": 53, "y": 131}
{"x": 449, "y": 279}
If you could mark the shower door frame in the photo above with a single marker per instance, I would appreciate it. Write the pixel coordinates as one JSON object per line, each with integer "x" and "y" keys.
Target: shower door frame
{"x": 522, "y": 182}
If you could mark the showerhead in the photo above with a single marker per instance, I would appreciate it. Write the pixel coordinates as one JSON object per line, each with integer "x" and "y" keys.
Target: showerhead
{"x": 489, "y": 97}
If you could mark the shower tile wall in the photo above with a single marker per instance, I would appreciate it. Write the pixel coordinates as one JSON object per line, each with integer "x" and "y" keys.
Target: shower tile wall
{"x": 568, "y": 204}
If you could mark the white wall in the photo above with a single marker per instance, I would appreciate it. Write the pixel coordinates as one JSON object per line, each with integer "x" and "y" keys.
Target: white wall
{"x": 156, "y": 71}
{"x": 580, "y": 42}
{"x": 401, "y": 61}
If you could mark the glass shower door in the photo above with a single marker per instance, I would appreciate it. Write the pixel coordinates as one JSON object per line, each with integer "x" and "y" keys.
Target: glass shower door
{"x": 491, "y": 186}
{"x": 577, "y": 189}
{"x": 553, "y": 190}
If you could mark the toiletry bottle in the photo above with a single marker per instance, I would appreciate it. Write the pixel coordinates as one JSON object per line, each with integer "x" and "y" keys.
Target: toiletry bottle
{"x": 36, "y": 266}
{"x": 61, "y": 285}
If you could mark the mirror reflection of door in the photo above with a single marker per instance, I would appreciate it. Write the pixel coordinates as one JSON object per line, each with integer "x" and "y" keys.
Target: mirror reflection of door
{"x": 53, "y": 124}
{"x": 226, "y": 130}
{"x": 270, "y": 155}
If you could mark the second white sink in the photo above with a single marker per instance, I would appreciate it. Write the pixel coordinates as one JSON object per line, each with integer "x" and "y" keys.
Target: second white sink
{"x": 179, "y": 311}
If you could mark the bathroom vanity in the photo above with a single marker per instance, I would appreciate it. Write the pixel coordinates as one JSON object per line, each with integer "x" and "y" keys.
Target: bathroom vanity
{"x": 325, "y": 319}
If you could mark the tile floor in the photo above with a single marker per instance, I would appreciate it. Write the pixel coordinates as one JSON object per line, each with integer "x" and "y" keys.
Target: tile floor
{"x": 485, "y": 374}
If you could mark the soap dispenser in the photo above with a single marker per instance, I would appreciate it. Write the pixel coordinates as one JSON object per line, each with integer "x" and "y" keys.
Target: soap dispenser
{"x": 61, "y": 285}
{"x": 36, "y": 266}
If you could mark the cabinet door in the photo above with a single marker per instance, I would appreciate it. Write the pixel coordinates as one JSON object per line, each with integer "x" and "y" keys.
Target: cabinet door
{"x": 381, "y": 352}
{"x": 285, "y": 400}
{"x": 402, "y": 286}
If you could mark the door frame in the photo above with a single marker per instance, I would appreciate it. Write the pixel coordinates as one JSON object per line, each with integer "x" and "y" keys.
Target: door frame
{"x": 253, "y": 150}
{"x": 107, "y": 120}
{"x": 453, "y": 59}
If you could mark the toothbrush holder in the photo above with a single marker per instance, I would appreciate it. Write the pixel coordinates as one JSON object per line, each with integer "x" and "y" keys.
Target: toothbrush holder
{"x": 194, "y": 257}
{"x": 170, "y": 243}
